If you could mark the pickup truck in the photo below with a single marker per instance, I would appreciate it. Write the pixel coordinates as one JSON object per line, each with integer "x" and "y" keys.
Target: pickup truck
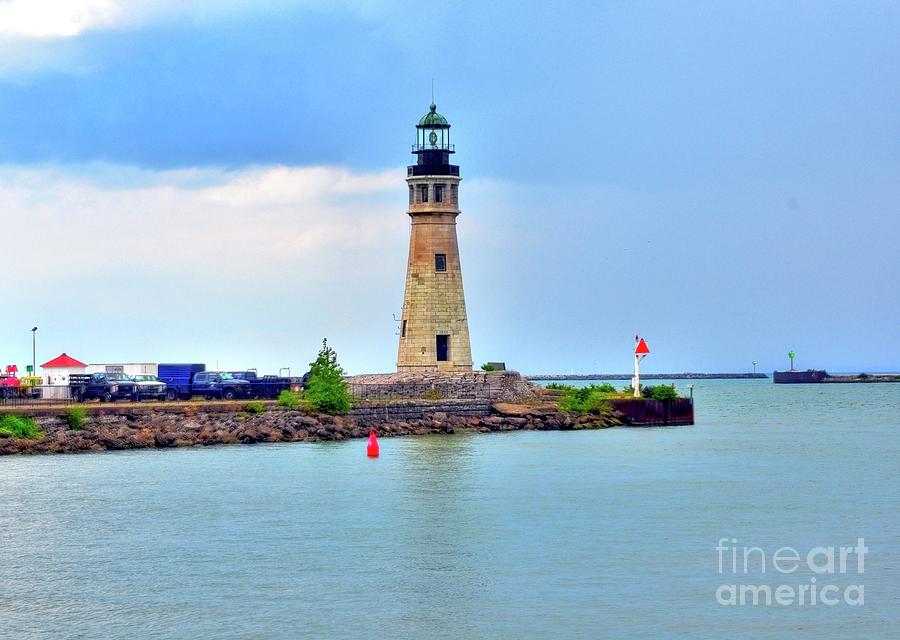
{"x": 105, "y": 387}
{"x": 186, "y": 380}
{"x": 149, "y": 387}
{"x": 219, "y": 384}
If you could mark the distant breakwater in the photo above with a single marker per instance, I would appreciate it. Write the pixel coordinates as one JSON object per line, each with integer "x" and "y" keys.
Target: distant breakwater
{"x": 647, "y": 376}
{"x": 111, "y": 428}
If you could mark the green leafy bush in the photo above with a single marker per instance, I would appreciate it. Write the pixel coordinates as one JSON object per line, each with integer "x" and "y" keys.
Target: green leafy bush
{"x": 487, "y": 366}
{"x": 326, "y": 390}
{"x": 255, "y": 406}
{"x": 590, "y": 399}
{"x": 75, "y": 417}
{"x": 660, "y": 392}
{"x": 16, "y": 427}
{"x": 290, "y": 399}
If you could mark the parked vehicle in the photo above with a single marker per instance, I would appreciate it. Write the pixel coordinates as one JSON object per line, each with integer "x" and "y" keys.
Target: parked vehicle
{"x": 26, "y": 387}
{"x": 186, "y": 380}
{"x": 268, "y": 387}
{"x": 149, "y": 387}
{"x": 220, "y": 384}
{"x": 105, "y": 387}
{"x": 178, "y": 379}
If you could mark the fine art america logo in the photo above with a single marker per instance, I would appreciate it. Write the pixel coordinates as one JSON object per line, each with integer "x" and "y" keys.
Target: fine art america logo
{"x": 836, "y": 575}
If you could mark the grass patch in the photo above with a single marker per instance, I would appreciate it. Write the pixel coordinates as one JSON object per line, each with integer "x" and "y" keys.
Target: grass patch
{"x": 255, "y": 407}
{"x": 75, "y": 417}
{"x": 16, "y": 427}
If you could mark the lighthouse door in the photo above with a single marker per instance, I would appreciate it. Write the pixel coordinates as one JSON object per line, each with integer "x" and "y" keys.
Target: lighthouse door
{"x": 443, "y": 348}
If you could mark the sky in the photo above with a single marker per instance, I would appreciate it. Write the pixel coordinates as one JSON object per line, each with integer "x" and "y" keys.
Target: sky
{"x": 223, "y": 181}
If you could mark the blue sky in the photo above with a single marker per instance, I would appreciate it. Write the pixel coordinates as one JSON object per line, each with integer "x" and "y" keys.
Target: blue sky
{"x": 223, "y": 181}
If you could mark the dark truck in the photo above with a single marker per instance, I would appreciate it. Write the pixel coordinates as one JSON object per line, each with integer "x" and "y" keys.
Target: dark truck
{"x": 269, "y": 387}
{"x": 186, "y": 380}
{"x": 105, "y": 387}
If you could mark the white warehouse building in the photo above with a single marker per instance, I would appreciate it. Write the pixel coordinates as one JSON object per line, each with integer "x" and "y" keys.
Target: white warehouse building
{"x": 128, "y": 368}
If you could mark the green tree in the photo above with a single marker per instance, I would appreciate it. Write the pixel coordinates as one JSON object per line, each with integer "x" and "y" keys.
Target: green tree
{"x": 326, "y": 390}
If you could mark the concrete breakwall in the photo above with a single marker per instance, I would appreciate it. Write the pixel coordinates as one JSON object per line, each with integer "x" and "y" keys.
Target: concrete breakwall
{"x": 116, "y": 428}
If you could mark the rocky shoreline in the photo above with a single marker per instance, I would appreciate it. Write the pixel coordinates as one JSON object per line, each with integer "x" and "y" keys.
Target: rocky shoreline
{"x": 190, "y": 427}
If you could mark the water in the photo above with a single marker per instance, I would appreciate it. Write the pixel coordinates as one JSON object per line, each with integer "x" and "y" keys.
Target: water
{"x": 520, "y": 535}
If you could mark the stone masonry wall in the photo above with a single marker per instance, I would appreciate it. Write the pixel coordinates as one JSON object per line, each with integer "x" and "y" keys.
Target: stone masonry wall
{"x": 493, "y": 387}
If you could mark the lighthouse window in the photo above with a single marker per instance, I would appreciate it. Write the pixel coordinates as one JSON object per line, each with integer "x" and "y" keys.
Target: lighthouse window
{"x": 442, "y": 342}
{"x": 412, "y": 194}
{"x": 403, "y": 330}
{"x": 438, "y": 193}
{"x": 424, "y": 193}
{"x": 440, "y": 262}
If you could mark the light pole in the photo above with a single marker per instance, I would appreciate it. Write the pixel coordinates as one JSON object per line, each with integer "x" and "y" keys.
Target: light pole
{"x": 754, "y": 366}
{"x": 34, "y": 351}
{"x": 791, "y": 355}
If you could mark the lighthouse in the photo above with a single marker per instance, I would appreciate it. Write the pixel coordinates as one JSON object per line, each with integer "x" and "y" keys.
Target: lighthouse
{"x": 434, "y": 328}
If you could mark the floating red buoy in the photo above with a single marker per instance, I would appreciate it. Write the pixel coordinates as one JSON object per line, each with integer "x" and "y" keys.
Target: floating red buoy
{"x": 372, "y": 446}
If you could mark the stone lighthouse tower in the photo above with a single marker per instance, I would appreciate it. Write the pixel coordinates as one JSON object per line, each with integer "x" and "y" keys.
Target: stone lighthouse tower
{"x": 434, "y": 328}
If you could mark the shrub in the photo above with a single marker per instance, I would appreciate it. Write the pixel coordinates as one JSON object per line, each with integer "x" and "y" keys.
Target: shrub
{"x": 487, "y": 366}
{"x": 660, "y": 392}
{"x": 434, "y": 394}
{"x": 255, "y": 406}
{"x": 326, "y": 390}
{"x": 75, "y": 417}
{"x": 16, "y": 427}
{"x": 290, "y": 399}
{"x": 590, "y": 399}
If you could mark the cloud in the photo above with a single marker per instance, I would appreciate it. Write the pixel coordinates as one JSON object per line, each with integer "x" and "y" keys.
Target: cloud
{"x": 58, "y": 18}
{"x": 66, "y": 223}
{"x": 69, "y": 18}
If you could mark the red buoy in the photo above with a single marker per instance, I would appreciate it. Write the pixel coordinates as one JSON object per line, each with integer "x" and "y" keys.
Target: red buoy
{"x": 372, "y": 446}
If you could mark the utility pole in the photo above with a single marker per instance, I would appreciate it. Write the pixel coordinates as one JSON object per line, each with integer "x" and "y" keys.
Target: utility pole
{"x": 34, "y": 351}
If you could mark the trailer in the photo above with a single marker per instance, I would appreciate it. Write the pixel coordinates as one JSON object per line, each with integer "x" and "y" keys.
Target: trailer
{"x": 178, "y": 378}
{"x": 268, "y": 386}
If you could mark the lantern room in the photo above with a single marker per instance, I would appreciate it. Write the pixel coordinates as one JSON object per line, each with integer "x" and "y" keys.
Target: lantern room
{"x": 433, "y": 148}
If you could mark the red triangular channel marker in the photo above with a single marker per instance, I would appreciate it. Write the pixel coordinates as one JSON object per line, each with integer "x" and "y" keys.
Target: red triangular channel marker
{"x": 641, "y": 348}
{"x": 372, "y": 446}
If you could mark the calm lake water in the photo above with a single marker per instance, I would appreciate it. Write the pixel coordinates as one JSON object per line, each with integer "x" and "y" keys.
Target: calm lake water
{"x": 608, "y": 533}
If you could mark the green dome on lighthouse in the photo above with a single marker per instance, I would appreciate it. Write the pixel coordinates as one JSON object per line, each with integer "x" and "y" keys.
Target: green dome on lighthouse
{"x": 433, "y": 118}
